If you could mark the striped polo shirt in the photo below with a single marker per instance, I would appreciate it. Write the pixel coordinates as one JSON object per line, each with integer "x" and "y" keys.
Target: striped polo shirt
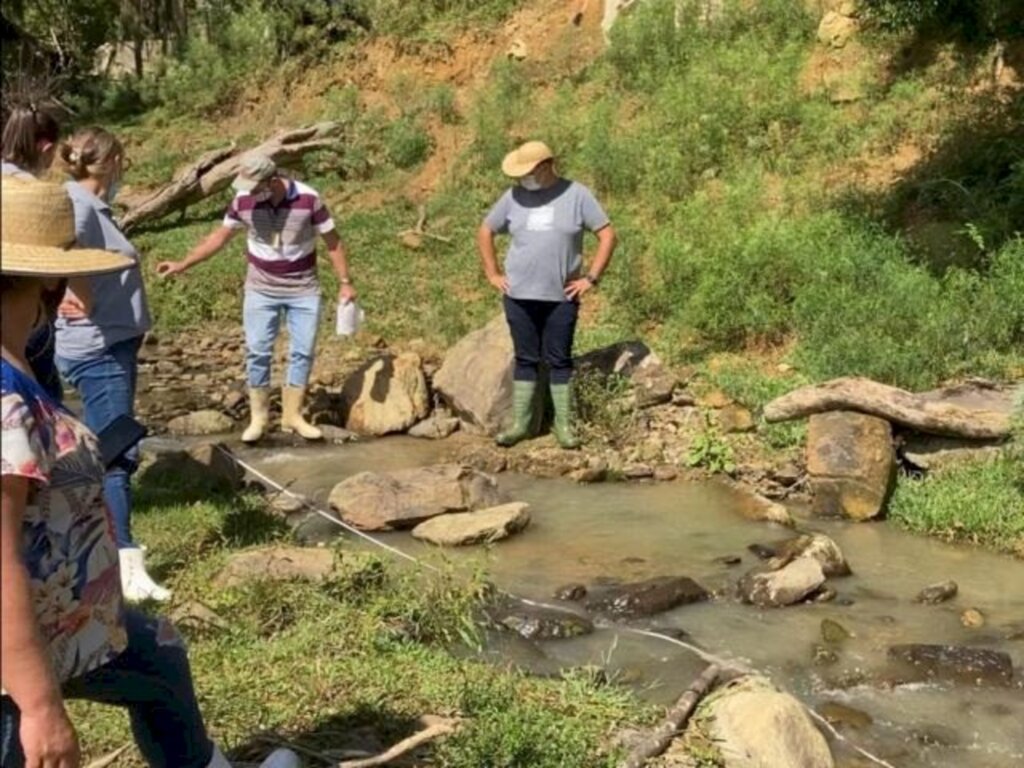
{"x": 281, "y": 242}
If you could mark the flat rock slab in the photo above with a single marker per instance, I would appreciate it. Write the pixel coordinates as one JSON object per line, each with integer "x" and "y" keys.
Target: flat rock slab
{"x": 954, "y": 663}
{"x": 276, "y": 564}
{"x": 649, "y": 597}
{"x": 786, "y": 586}
{"x": 484, "y": 526}
{"x": 384, "y": 501}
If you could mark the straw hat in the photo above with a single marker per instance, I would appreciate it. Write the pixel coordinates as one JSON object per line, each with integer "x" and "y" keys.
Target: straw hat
{"x": 37, "y": 233}
{"x": 519, "y": 162}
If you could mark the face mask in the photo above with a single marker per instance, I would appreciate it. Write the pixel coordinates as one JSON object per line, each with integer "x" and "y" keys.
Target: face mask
{"x": 529, "y": 183}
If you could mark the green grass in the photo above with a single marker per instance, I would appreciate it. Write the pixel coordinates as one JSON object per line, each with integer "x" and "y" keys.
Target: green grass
{"x": 365, "y": 648}
{"x": 981, "y": 503}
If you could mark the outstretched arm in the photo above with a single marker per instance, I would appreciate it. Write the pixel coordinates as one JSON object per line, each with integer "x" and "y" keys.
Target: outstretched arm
{"x": 210, "y": 245}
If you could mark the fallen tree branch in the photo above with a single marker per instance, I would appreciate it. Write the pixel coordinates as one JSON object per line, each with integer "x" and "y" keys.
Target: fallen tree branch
{"x": 405, "y": 746}
{"x": 215, "y": 170}
{"x": 656, "y": 740}
{"x": 896, "y": 405}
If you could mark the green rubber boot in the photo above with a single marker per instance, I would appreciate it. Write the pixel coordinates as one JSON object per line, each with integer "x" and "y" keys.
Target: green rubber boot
{"x": 561, "y": 397}
{"x": 522, "y": 414}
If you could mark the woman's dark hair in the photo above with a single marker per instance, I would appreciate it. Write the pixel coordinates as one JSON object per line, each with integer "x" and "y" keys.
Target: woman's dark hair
{"x": 28, "y": 127}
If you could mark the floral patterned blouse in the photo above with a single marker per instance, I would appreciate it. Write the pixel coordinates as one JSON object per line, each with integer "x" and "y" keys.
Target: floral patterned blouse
{"x": 67, "y": 535}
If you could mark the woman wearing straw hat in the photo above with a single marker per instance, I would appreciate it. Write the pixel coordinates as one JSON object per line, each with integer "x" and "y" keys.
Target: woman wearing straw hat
{"x": 28, "y": 146}
{"x": 98, "y": 351}
{"x": 544, "y": 278}
{"x": 64, "y": 630}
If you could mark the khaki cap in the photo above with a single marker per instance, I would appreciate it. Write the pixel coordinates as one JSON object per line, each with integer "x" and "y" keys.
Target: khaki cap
{"x": 254, "y": 170}
{"x": 519, "y": 162}
{"x": 37, "y": 233}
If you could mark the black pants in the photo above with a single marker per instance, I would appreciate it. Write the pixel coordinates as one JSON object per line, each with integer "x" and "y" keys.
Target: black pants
{"x": 40, "y": 353}
{"x": 542, "y": 330}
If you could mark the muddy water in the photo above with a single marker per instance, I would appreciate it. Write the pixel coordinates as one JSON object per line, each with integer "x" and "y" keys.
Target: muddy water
{"x": 630, "y": 531}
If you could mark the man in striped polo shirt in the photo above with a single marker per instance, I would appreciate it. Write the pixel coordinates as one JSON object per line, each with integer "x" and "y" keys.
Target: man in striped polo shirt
{"x": 282, "y": 219}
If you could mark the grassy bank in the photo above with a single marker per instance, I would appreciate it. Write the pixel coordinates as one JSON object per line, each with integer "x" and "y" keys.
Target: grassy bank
{"x": 314, "y": 662}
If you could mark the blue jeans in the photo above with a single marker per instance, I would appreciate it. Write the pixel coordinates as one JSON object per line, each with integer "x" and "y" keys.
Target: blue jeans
{"x": 261, "y": 315}
{"x": 153, "y": 681}
{"x": 106, "y": 384}
{"x": 542, "y": 330}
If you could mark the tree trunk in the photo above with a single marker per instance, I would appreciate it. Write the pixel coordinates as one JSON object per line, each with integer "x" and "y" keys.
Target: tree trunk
{"x": 896, "y": 405}
{"x": 215, "y": 170}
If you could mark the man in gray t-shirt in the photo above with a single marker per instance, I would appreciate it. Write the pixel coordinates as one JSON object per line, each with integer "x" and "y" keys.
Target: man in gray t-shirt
{"x": 546, "y": 216}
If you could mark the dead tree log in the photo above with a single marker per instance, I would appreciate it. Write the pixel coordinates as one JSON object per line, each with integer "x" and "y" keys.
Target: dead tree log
{"x": 215, "y": 170}
{"x": 896, "y": 405}
{"x": 655, "y": 741}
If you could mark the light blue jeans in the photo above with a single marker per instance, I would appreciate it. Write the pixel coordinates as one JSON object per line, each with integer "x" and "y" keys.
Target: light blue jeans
{"x": 261, "y": 315}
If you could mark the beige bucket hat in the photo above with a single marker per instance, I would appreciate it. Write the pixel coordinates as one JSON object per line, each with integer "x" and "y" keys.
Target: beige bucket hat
{"x": 37, "y": 233}
{"x": 253, "y": 171}
{"x": 519, "y": 162}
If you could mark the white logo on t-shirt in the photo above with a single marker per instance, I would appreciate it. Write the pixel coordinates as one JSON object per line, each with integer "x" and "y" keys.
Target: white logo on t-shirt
{"x": 541, "y": 219}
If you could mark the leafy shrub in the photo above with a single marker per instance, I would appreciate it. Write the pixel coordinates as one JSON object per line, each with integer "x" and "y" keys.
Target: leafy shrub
{"x": 406, "y": 142}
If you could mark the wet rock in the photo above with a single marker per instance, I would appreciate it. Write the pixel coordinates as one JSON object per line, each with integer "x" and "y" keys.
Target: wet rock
{"x": 206, "y": 466}
{"x": 786, "y": 586}
{"x": 824, "y": 594}
{"x": 754, "y": 506}
{"x": 974, "y": 666}
{"x": 735, "y": 418}
{"x": 276, "y": 564}
{"x": 646, "y": 598}
{"x": 204, "y": 422}
{"x": 816, "y": 546}
{"x": 589, "y": 474}
{"x": 972, "y": 618}
{"x": 435, "y": 427}
{"x": 752, "y": 724}
{"x": 547, "y": 462}
{"x": 729, "y": 560}
{"x": 385, "y": 395}
{"x": 824, "y": 655}
{"x": 379, "y": 501}
{"x": 571, "y": 592}
{"x": 762, "y": 551}
{"x": 337, "y": 435}
{"x": 937, "y": 593}
{"x": 841, "y": 715}
{"x": 484, "y": 526}
{"x": 475, "y": 379}
{"x": 851, "y": 464}
{"x": 637, "y": 472}
{"x": 665, "y": 473}
{"x": 489, "y": 459}
{"x": 287, "y": 504}
{"x": 834, "y": 633}
{"x": 543, "y": 624}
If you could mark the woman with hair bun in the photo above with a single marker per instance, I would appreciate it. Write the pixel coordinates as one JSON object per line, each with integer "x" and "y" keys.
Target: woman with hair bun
{"x": 98, "y": 351}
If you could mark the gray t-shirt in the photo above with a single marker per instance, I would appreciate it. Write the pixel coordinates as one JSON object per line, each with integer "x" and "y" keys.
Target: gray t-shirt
{"x": 547, "y": 236}
{"x": 119, "y": 309}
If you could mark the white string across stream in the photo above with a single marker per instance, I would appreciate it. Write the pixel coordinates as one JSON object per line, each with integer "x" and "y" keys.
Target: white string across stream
{"x": 708, "y": 657}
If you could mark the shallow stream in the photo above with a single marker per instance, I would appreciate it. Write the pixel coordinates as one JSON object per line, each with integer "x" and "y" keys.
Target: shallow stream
{"x": 636, "y": 531}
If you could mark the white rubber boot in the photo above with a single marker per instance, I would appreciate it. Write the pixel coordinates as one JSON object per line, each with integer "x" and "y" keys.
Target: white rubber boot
{"x": 259, "y": 414}
{"x": 279, "y": 758}
{"x": 291, "y": 414}
{"x": 136, "y": 583}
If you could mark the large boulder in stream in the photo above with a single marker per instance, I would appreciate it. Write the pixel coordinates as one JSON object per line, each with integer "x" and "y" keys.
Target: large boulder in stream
{"x": 458, "y": 529}
{"x": 954, "y": 663}
{"x": 387, "y": 394}
{"x": 476, "y": 376}
{"x": 851, "y": 463}
{"x": 384, "y": 501}
{"x": 756, "y": 726}
{"x": 816, "y": 546}
{"x": 790, "y": 584}
{"x": 646, "y": 598}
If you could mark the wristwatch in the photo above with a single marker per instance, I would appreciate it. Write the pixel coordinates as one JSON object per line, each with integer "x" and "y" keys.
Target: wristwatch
{"x": 592, "y": 279}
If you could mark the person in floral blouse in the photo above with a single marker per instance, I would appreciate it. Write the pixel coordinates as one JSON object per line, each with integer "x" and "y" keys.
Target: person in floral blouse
{"x": 66, "y": 632}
